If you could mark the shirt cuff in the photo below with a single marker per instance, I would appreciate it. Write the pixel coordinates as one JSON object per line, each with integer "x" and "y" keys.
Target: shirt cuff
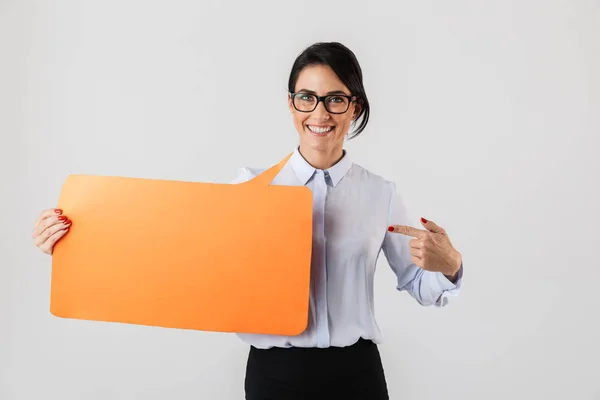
{"x": 442, "y": 287}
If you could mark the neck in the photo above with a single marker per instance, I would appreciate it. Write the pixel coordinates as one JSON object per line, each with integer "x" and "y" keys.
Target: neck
{"x": 321, "y": 159}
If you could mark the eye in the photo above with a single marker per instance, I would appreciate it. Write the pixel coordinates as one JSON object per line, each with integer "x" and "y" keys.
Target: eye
{"x": 337, "y": 99}
{"x": 306, "y": 97}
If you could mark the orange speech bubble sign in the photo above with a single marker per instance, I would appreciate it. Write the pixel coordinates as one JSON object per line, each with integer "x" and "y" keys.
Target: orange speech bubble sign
{"x": 203, "y": 256}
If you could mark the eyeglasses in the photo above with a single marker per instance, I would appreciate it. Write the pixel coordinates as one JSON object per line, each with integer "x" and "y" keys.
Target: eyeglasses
{"x": 334, "y": 104}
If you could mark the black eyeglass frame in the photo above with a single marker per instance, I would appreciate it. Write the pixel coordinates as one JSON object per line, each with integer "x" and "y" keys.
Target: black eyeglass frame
{"x": 351, "y": 99}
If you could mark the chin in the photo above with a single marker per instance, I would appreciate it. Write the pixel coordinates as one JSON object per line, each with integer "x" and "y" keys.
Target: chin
{"x": 320, "y": 144}
{"x": 321, "y": 137}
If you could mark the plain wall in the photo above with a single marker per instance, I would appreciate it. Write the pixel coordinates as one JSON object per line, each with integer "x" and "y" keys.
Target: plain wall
{"x": 485, "y": 114}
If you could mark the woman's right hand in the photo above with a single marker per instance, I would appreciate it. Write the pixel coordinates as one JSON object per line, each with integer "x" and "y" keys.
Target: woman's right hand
{"x": 50, "y": 226}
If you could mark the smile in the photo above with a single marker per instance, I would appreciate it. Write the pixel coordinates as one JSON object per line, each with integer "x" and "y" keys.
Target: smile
{"x": 320, "y": 130}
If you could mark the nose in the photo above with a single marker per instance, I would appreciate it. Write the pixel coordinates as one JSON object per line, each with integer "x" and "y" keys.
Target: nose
{"x": 321, "y": 112}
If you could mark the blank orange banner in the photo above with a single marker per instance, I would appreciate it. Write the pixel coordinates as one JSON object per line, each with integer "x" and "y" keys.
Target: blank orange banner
{"x": 204, "y": 256}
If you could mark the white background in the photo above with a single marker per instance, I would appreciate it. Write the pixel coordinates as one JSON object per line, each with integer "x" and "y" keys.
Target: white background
{"x": 486, "y": 115}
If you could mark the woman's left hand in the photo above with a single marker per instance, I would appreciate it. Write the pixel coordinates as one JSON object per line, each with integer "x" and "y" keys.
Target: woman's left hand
{"x": 432, "y": 249}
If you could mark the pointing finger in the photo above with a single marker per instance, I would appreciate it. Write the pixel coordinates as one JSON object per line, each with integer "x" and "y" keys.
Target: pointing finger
{"x": 408, "y": 230}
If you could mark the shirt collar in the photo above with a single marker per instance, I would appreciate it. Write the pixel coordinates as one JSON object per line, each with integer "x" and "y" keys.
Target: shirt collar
{"x": 304, "y": 171}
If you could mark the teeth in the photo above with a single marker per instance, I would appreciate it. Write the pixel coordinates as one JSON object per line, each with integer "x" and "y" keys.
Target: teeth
{"x": 319, "y": 129}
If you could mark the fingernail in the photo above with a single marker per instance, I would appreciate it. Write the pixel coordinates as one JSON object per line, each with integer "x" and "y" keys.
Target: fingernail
{"x": 391, "y": 229}
{"x": 424, "y": 220}
{"x": 62, "y": 218}
{"x": 58, "y": 211}
{"x": 67, "y": 222}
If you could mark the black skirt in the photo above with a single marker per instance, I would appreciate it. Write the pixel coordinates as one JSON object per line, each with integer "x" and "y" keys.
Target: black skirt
{"x": 349, "y": 373}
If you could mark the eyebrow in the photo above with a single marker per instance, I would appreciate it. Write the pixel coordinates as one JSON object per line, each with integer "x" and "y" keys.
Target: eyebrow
{"x": 328, "y": 93}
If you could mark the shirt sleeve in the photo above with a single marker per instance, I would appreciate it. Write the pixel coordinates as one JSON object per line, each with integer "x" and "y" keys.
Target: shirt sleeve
{"x": 428, "y": 288}
{"x": 243, "y": 175}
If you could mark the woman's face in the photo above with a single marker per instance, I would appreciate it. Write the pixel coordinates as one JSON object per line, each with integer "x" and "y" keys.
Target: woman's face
{"x": 320, "y": 130}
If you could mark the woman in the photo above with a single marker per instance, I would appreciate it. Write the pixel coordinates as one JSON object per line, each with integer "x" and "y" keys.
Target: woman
{"x": 356, "y": 214}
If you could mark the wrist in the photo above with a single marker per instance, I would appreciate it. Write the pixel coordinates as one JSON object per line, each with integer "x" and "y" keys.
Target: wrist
{"x": 452, "y": 278}
{"x": 453, "y": 275}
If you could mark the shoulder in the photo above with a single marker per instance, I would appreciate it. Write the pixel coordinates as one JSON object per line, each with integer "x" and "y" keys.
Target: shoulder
{"x": 246, "y": 173}
{"x": 371, "y": 179}
{"x": 386, "y": 190}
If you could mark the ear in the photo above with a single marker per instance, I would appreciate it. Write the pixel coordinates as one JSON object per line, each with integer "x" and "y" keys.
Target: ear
{"x": 290, "y": 105}
{"x": 357, "y": 109}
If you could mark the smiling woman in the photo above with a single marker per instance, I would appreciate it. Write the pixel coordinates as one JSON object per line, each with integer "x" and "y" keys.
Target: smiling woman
{"x": 356, "y": 216}
{"x": 327, "y": 96}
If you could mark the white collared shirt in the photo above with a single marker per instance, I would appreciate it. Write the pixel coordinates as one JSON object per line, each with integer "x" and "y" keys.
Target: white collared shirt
{"x": 359, "y": 206}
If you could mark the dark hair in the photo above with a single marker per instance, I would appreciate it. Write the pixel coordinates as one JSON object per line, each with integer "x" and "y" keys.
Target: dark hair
{"x": 345, "y": 65}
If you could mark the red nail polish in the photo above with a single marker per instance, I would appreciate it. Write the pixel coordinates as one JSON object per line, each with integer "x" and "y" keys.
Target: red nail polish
{"x": 62, "y": 218}
{"x": 58, "y": 211}
{"x": 67, "y": 222}
{"x": 424, "y": 220}
{"x": 391, "y": 229}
